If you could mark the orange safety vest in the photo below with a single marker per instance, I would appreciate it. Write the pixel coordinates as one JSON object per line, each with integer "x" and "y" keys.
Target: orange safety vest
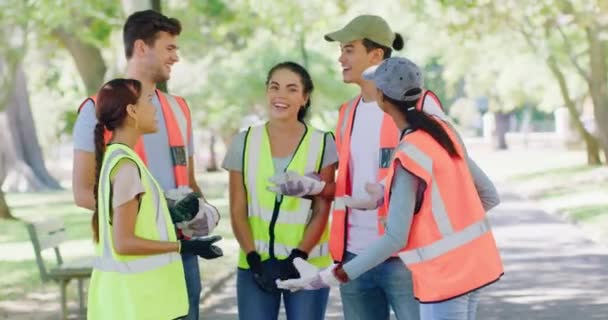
{"x": 389, "y": 138}
{"x": 450, "y": 250}
{"x": 179, "y": 124}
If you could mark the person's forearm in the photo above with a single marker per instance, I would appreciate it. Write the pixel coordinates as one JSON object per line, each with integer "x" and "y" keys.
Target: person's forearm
{"x": 400, "y": 215}
{"x": 135, "y": 245}
{"x": 195, "y": 188}
{"x": 484, "y": 186}
{"x": 316, "y": 226}
{"x": 328, "y": 191}
{"x": 242, "y": 232}
{"x": 84, "y": 198}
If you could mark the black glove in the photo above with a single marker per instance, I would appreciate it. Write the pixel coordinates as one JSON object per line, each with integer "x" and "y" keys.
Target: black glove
{"x": 184, "y": 209}
{"x": 264, "y": 281}
{"x": 288, "y": 270}
{"x": 202, "y": 247}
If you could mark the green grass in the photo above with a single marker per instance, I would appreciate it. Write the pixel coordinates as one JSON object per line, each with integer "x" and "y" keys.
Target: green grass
{"x": 569, "y": 190}
{"x": 18, "y": 278}
{"x": 566, "y": 191}
{"x": 587, "y": 213}
{"x": 563, "y": 172}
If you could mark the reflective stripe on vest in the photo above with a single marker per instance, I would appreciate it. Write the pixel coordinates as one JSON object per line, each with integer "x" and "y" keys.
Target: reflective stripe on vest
{"x": 106, "y": 262}
{"x": 279, "y": 222}
{"x": 450, "y": 239}
{"x": 447, "y": 243}
{"x": 178, "y": 123}
{"x": 301, "y": 216}
{"x": 350, "y": 106}
{"x": 283, "y": 250}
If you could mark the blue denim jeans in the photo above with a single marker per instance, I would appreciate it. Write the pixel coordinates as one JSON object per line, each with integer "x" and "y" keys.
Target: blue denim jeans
{"x": 461, "y": 308}
{"x": 193, "y": 284}
{"x": 256, "y": 304}
{"x": 374, "y": 293}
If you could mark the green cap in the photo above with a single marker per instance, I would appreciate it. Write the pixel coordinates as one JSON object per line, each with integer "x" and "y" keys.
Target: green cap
{"x": 362, "y": 27}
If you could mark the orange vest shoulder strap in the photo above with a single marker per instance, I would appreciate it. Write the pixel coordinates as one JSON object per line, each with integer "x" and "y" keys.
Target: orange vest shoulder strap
{"x": 92, "y": 98}
{"x": 345, "y": 119}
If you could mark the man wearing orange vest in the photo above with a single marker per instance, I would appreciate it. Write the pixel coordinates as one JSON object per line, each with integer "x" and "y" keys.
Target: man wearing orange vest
{"x": 436, "y": 198}
{"x": 365, "y": 139}
{"x": 151, "y": 50}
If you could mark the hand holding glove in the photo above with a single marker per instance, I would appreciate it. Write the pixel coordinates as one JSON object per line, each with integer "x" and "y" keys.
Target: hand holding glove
{"x": 263, "y": 280}
{"x": 293, "y": 184}
{"x": 375, "y": 199}
{"x": 203, "y": 222}
{"x": 311, "y": 278}
{"x": 184, "y": 209}
{"x": 288, "y": 269}
{"x": 202, "y": 247}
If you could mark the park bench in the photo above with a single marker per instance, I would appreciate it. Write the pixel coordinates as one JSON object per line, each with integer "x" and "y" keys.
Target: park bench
{"x": 49, "y": 234}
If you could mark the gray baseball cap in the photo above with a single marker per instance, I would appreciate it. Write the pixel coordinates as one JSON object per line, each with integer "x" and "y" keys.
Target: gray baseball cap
{"x": 395, "y": 77}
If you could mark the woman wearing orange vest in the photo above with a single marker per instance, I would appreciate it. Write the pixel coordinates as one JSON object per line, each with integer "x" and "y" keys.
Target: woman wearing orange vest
{"x": 436, "y": 212}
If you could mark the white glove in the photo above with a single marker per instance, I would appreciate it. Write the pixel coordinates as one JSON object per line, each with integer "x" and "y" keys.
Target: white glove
{"x": 291, "y": 183}
{"x": 203, "y": 223}
{"x": 311, "y": 278}
{"x": 375, "y": 199}
{"x": 178, "y": 193}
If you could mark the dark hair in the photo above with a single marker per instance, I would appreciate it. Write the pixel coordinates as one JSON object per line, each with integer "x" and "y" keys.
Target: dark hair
{"x": 397, "y": 45}
{"x": 146, "y": 25}
{"x": 420, "y": 120}
{"x": 111, "y": 111}
{"x": 304, "y": 77}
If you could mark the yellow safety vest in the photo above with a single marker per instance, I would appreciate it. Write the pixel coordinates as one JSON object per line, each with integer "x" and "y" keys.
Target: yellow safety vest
{"x": 135, "y": 287}
{"x": 278, "y": 223}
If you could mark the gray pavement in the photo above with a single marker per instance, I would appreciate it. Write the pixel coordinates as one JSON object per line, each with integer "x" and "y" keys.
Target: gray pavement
{"x": 552, "y": 271}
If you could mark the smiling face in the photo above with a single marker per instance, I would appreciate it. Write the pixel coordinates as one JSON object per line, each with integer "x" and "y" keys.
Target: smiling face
{"x": 354, "y": 59}
{"x": 160, "y": 57}
{"x": 285, "y": 94}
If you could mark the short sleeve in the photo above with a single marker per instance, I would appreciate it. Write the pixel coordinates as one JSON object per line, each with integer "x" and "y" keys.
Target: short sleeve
{"x": 330, "y": 155}
{"x": 233, "y": 161}
{"x": 126, "y": 183}
{"x": 84, "y": 128}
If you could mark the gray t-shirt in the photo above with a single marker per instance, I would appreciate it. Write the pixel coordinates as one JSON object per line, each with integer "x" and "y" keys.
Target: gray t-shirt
{"x": 156, "y": 145}
{"x": 234, "y": 156}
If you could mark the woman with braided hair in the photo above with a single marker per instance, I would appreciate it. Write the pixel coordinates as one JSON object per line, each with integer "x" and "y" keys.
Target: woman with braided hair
{"x": 138, "y": 272}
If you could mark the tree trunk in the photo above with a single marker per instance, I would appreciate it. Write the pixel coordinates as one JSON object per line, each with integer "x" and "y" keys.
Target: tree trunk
{"x": 5, "y": 212}
{"x": 598, "y": 84}
{"x": 22, "y": 161}
{"x": 88, "y": 59}
{"x": 593, "y": 155}
{"x": 502, "y": 126}
{"x": 212, "y": 165}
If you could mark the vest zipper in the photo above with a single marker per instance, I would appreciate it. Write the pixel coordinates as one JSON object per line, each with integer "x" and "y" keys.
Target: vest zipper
{"x": 277, "y": 202}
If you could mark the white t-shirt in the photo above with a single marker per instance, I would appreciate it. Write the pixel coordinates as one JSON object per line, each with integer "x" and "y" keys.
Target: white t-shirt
{"x": 364, "y": 166}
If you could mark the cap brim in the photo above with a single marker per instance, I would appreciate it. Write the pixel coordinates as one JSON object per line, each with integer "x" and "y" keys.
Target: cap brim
{"x": 340, "y": 36}
{"x": 369, "y": 73}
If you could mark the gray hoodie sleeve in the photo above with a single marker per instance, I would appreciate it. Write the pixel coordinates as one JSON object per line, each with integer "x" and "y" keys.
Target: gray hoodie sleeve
{"x": 485, "y": 188}
{"x": 397, "y": 228}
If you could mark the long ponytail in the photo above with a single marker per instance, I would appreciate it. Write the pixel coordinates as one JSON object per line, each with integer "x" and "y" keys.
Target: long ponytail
{"x": 100, "y": 148}
{"x": 419, "y": 120}
{"x": 111, "y": 112}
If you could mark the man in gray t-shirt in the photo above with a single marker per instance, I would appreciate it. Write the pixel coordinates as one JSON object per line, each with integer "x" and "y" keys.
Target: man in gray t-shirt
{"x": 151, "y": 50}
{"x": 157, "y": 144}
